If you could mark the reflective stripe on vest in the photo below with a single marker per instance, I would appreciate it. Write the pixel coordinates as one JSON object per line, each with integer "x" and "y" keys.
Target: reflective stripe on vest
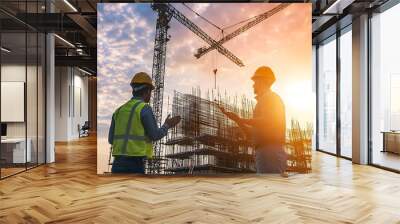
{"x": 129, "y": 126}
{"x": 129, "y": 135}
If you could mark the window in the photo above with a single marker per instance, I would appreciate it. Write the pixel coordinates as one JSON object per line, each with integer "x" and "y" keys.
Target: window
{"x": 394, "y": 102}
{"x": 22, "y": 75}
{"x": 346, "y": 92}
{"x": 327, "y": 95}
{"x": 385, "y": 89}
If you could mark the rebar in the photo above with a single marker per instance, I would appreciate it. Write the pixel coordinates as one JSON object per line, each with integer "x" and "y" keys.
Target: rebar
{"x": 206, "y": 141}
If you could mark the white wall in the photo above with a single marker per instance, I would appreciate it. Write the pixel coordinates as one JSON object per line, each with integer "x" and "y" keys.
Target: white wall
{"x": 14, "y": 73}
{"x": 17, "y": 73}
{"x": 62, "y": 81}
{"x": 33, "y": 127}
{"x": 71, "y": 94}
{"x": 80, "y": 109}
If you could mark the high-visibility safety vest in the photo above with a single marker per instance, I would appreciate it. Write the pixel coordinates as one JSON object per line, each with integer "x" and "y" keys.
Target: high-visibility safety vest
{"x": 129, "y": 136}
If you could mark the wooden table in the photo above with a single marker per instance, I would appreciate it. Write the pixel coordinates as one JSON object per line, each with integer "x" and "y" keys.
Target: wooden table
{"x": 391, "y": 141}
{"x": 13, "y": 150}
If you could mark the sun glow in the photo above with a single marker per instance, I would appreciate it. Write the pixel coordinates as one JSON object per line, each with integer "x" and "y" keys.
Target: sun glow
{"x": 299, "y": 100}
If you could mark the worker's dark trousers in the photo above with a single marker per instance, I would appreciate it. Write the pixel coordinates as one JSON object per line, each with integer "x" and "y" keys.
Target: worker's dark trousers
{"x": 271, "y": 159}
{"x": 128, "y": 164}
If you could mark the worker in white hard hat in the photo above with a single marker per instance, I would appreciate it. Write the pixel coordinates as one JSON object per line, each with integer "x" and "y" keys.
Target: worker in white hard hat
{"x": 267, "y": 128}
{"x": 134, "y": 128}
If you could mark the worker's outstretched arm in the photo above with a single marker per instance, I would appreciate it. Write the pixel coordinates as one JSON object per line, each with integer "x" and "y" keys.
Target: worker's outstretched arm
{"x": 241, "y": 122}
{"x": 252, "y": 121}
{"x": 245, "y": 129}
{"x": 151, "y": 129}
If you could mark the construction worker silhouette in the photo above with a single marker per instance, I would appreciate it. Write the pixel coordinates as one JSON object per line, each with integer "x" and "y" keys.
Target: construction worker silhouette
{"x": 133, "y": 128}
{"x": 267, "y": 128}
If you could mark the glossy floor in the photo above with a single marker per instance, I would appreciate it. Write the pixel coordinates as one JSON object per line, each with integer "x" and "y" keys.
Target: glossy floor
{"x": 387, "y": 159}
{"x": 69, "y": 191}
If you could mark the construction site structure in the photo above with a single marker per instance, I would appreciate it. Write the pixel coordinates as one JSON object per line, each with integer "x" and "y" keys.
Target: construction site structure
{"x": 156, "y": 165}
{"x": 298, "y": 148}
{"x": 206, "y": 141}
{"x": 165, "y": 12}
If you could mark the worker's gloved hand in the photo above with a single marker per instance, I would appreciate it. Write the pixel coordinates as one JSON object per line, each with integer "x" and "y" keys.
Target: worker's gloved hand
{"x": 172, "y": 121}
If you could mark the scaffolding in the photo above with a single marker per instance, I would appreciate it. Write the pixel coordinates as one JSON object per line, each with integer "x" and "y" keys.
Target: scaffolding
{"x": 298, "y": 148}
{"x": 206, "y": 141}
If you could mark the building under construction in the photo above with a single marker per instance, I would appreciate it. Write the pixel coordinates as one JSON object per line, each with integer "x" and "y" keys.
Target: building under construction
{"x": 166, "y": 12}
{"x": 206, "y": 141}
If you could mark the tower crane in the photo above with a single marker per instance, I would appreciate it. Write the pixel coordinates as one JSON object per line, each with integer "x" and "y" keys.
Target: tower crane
{"x": 258, "y": 19}
{"x": 165, "y": 13}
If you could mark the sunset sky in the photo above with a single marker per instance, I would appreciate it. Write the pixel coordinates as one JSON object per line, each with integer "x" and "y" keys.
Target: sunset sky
{"x": 283, "y": 42}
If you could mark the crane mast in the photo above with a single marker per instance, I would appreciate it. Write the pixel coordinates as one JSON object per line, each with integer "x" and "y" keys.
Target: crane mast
{"x": 165, "y": 13}
{"x": 158, "y": 73}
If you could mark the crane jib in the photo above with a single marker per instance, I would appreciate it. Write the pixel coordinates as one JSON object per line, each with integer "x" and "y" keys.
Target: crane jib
{"x": 258, "y": 19}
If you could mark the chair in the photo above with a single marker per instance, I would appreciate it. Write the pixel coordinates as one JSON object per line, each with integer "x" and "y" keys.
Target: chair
{"x": 84, "y": 130}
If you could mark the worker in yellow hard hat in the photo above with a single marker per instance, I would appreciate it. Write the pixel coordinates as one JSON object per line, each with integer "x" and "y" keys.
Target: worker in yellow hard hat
{"x": 134, "y": 128}
{"x": 267, "y": 128}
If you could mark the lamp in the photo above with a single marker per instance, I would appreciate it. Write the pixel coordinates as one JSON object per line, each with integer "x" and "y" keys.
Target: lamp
{"x": 70, "y": 5}
{"x": 64, "y": 40}
{"x": 5, "y": 50}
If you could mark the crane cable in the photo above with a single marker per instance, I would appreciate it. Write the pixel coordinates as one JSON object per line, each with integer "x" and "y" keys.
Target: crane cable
{"x": 240, "y": 22}
{"x": 214, "y": 60}
{"x": 222, "y": 36}
{"x": 202, "y": 17}
{"x": 214, "y": 25}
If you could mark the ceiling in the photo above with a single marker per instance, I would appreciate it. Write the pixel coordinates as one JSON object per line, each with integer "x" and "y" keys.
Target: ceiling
{"x": 332, "y": 15}
{"x": 76, "y": 22}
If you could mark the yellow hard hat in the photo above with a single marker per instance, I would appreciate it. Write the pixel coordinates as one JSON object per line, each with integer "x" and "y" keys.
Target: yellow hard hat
{"x": 142, "y": 78}
{"x": 264, "y": 72}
